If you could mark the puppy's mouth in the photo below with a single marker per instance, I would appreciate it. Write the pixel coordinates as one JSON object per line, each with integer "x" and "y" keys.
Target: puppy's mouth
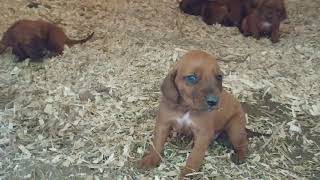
{"x": 211, "y": 108}
{"x": 208, "y": 108}
{"x": 206, "y": 104}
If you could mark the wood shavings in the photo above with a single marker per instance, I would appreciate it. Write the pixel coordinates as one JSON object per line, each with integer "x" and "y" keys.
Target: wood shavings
{"x": 294, "y": 127}
{"x": 92, "y": 110}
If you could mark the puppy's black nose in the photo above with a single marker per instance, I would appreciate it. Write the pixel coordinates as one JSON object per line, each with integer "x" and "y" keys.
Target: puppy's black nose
{"x": 212, "y": 100}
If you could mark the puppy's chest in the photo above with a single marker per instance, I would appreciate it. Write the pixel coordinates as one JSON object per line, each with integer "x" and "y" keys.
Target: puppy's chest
{"x": 266, "y": 26}
{"x": 184, "y": 121}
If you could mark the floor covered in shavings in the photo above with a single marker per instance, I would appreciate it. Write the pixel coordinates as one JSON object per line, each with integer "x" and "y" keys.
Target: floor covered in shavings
{"x": 89, "y": 114}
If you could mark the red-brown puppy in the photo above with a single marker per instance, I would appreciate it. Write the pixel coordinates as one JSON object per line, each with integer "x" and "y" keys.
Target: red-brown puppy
{"x": 237, "y": 10}
{"x": 194, "y": 102}
{"x": 265, "y": 20}
{"x": 215, "y": 12}
{"x": 225, "y": 12}
{"x": 32, "y": 38}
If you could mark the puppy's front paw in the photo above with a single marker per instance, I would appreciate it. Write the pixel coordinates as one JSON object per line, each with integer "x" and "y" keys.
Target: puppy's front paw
{"x": 236, "y": 159}
{"x": 274, "y": 40}
{"x": 184, "y": 173}
{"x": 149, "y": 161}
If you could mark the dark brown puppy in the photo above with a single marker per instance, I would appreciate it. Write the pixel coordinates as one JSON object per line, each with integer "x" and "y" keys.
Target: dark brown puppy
{"x": 33, "y": 38}
{"x": 192, "y": 7}
{"x": 225, "y": 12}
{"x": 265, "y": 20}
{"x": 194, "y": 102}
{"x": 238, "y": 9}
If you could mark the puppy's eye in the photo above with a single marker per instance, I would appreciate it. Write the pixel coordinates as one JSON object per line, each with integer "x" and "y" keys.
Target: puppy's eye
{"x": 192, "y": 79}
{"x": 219, "y": 77}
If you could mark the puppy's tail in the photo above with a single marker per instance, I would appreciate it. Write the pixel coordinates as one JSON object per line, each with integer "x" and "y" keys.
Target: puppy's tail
{"x": 72, "y": 42}
{"x": 251, "y": 134}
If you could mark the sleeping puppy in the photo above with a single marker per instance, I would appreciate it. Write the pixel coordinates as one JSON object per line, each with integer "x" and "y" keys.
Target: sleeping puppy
{"x": 265, "y": 20}
{"x": 192, "y": 7}
{"x": 194, "y": 102}
{"x": 225, "y": 12}
{"x": 33, "y": 38}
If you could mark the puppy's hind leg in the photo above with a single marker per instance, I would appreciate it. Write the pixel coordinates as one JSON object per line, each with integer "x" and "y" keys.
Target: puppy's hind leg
{"x": 55, "y": 43}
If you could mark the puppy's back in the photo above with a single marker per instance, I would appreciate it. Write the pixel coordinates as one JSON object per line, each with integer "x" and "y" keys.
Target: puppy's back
{"x": 23, "y": 31}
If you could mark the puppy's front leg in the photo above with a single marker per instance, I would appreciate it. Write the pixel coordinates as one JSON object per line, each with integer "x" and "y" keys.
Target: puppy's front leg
{"x": 275, "y": 35}
{"x": 202, "y": 141}
{"x": 238, "y": 136}
{"x": 254, "y": 26}
{"x": 161, "y": 133}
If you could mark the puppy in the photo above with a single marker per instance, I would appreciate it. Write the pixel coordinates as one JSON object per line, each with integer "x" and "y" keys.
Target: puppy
{"x": 194, "y": 102}
{"x": 225, "y": 12}
{"x": 238, "y": 9}
{"x": 265, "y": 20}
{"x": 192, "y": 7}
{"x": 33, "y": 38}
{"x": 215, "y": 12}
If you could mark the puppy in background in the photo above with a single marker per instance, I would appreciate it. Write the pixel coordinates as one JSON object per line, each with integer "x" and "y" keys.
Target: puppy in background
{"x": 215, "y": 13}
{"x": 192, "y": 7}
{"x": 194, "y": 102}
{"x": 225, "y": 12}
{"x": 33, "y": 38}
{"x": 265, "y": 20}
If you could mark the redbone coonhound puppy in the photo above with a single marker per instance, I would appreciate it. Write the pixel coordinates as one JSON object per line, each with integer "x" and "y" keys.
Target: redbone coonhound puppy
{"x": 32, "y": 38}
{"x": 195, "y": 102}
{"x": 265, "y": 20}
{"x": 216, "y": 12}
{"x": 225, "y": 12}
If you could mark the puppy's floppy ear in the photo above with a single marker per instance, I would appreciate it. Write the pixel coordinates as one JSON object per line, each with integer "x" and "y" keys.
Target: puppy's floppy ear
{"x": 169, "y": 88}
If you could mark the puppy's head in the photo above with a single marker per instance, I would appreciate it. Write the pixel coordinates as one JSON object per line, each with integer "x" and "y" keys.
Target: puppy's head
{"x": 272, "y": 8}
{"x": 214, "y": 13}
{"x": 195, "y": 82}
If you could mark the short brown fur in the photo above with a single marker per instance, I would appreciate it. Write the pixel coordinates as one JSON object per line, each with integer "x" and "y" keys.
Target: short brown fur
{"x": 180, "y": 99}
{"x": 32, "y": 38}
{"x": 265, "y": 20}
{"x": 225, "y": 12}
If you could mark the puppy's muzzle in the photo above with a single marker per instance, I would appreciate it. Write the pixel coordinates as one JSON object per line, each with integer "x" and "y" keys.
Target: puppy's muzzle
{"x": 212, "y": 101}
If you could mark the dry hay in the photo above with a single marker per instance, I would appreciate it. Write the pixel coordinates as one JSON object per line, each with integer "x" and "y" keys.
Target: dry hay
{"x": 90, "y": 113}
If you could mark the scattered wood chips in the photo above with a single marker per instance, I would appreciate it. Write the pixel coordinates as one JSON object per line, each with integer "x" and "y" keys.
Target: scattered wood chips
{"x": 90, "y": 112}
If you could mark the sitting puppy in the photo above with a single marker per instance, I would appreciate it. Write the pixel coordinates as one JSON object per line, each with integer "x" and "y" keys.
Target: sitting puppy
{"x": 194, "y": 102}
{"x": 265, "y": 20}
{"x": 31, "y": 39}
{"x": 215, "y": 13}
